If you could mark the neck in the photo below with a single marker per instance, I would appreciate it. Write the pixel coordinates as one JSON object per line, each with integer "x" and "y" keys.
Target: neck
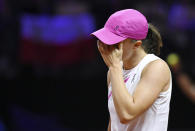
{"x": 134, "y": 60}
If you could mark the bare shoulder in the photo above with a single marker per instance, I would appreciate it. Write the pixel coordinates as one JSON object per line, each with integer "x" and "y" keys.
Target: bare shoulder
{"x": 157, "y": 70}
{"x": 157, "y": 65}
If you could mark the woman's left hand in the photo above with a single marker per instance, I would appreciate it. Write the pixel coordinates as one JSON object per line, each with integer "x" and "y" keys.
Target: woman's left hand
{"x": 111, "y": 54}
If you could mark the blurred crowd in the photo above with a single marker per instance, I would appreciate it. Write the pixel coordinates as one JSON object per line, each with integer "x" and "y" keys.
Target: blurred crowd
{"x": 53, "y": 78}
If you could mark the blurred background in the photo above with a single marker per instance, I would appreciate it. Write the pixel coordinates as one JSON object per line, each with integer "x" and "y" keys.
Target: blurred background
{"x": 52, "y": 76}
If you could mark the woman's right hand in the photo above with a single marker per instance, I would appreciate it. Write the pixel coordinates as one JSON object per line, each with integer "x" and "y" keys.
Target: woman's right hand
{"x": 111, "y": 54}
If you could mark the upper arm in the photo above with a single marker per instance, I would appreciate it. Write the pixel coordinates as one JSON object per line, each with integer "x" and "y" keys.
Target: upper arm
{"x": 154, "y": 78}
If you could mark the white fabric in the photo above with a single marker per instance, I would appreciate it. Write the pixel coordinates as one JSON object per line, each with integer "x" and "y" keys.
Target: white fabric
{"x": 156, "y": 117}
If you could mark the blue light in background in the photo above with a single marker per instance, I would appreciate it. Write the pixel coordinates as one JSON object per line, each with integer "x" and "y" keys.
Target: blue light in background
{"x": 57, "y": 29}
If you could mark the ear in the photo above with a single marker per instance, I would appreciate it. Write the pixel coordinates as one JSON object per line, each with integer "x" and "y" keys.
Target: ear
{"x": 137, "y": 44}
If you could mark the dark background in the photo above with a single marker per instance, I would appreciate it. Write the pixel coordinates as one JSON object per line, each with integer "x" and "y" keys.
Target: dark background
{"x": 52, "y": 76}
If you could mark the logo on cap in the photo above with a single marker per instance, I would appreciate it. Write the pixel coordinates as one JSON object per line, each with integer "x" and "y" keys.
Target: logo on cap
{"x": 116, "y": 28}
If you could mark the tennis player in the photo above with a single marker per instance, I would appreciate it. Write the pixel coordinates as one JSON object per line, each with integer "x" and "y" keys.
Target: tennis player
{"x": 139, "y": 82}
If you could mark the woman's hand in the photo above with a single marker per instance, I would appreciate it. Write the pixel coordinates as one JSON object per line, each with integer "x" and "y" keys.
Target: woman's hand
{"x": 111, "y": 54}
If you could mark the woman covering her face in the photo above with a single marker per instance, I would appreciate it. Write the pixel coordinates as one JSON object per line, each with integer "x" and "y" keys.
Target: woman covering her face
{"x": 139, "y": 82}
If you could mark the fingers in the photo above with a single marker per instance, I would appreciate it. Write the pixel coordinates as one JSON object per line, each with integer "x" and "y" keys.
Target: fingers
{"x": 98, "y": 45}
{"x": 103, "y": 49}
{"x": 120, "y": 47}
{"x": 119, "y": 50}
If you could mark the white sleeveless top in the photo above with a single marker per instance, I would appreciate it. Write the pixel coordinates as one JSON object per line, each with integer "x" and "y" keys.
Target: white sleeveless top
{"x": 153, "y": 119}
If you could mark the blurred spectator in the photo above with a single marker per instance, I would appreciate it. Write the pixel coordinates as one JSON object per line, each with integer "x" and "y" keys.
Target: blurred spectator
{"x": 181, "y": 32}
{"x": 182, "y": 79}
{"x": 186, "y": 85}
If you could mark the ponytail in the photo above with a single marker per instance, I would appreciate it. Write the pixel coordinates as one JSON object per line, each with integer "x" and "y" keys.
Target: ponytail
{"x": 153, "y": 42}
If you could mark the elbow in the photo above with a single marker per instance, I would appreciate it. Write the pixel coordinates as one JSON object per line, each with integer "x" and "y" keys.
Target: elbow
{"x": 126, "y": 119}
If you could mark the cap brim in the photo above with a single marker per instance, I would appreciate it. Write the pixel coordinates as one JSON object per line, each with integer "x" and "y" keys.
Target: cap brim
{"x": 108, "y": 37}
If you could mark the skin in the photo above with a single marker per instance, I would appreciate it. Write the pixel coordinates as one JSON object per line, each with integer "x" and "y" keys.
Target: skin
{"x": 128, "y": 106}
{"x": 187, "y": 86}
{"x": 184, "y": 82}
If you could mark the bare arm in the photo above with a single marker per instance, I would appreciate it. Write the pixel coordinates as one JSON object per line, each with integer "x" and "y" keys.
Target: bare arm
{"x": 186, "y": 85}
{"x": 184, "y": 81}
{"x": 155, "y": 77}
{"x": 153, "y": 80}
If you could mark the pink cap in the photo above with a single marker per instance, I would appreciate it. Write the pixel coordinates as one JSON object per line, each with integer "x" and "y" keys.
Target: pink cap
{"x": 128, "y": 23}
